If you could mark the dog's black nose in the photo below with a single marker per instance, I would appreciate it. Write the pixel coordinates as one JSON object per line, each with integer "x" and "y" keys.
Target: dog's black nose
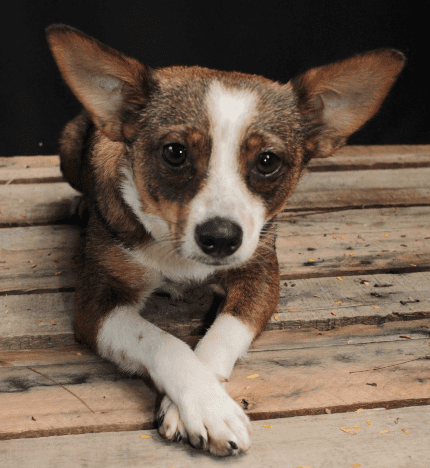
{"x": 218, "y": 237}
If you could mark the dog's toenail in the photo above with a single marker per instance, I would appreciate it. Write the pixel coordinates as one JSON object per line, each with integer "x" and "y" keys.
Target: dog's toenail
{"x": 233, "y": 445}
{"x": 202, "y": 442}
{"x": 160, "y": 420}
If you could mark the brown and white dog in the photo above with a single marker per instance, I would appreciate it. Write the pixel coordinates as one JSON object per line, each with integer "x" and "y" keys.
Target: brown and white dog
{"x": 183, "y": 171}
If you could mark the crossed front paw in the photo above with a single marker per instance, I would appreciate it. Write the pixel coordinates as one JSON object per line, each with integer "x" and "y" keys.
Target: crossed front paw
{"x": 209, "y": 420}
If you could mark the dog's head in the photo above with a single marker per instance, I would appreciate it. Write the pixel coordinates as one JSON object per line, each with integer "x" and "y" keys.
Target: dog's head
{"x": 205, "y": 159}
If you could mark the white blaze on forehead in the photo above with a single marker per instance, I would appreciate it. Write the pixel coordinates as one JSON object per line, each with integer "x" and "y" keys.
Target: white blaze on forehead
{"x": 231, "y": 112}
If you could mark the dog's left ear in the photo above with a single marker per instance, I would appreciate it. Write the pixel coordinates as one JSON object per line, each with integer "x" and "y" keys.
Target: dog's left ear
{"x": 337, "y": 99}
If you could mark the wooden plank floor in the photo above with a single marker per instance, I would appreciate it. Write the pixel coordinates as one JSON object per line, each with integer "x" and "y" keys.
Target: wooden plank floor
{"x": 352, "y": 331}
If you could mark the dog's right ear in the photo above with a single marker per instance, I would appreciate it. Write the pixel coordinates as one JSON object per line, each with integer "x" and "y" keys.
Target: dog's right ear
{"x": 110, "y": 85}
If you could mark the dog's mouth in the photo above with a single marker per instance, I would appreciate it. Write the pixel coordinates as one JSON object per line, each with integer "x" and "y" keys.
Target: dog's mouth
{"x": 226, "y": 262}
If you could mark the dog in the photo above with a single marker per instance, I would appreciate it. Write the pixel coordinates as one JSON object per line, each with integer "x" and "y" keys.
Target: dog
{"x": 183, "y": 171}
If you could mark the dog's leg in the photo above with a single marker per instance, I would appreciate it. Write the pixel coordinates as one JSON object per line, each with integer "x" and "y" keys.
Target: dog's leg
{"x": 109, "y": 297}
{"x": 252, "y": 298}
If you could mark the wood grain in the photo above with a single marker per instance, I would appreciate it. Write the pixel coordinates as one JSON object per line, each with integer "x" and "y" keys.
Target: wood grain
{"x": 299, "y": 373}
{"x": 42, "y": 169}
{"x": 33, "y": 204}
{"x": 46, "y": 320}
{"x": 311, "y": 441}
{"x": 381, "y": 241}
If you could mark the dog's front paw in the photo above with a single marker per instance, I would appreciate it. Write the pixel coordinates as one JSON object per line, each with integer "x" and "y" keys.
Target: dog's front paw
{"x": 209, "y": 420}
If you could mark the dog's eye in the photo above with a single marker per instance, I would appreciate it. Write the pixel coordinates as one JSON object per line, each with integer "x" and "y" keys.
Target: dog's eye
{"x": 174, "y": 154}
{"x": 268, "y": 164}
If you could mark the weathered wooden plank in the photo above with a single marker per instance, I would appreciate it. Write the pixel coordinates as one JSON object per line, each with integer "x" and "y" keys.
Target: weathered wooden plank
{"x": 37, "y": 175}
{"x": 360, "y": 189}
{"x": 309, "y": 245}
{"x": 46, "y": 320}
{"x": 33, "y": 321}
{"x": 41, "y": 169}
{"x": 26, "y": 204}
{"x": 358, "y": 242}
{"x": 311, "y": 441}
{"x": 374, "y": 157}
{"x": 30, "y": 169}
{"x": 37, "y": 258}
{"x": 300, "y": 372}
{"x": 324, "y": 303}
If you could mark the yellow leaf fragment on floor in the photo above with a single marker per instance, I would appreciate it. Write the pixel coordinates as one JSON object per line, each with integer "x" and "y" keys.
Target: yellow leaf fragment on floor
{"x": 383, "y": 432}
{"x": 253, "y": 376}
{"x": 349, "y": 430}
{"x": 304, "y": 466}
{"x": 268, "y": 426}
{"x": 376, "y": 307}
{"x": 337, "y": 302}
{"x": 249, "y": 386}
{"x": 276, "y": 317}
{"x": 404, "y": 430}
{"x": 360, "y": 410}
{"x": 339, "y": 278}
{"x": 357, "y": 465}
{"x": 369, "y": 422}
{"x": 311, "y": 260}
{"x": 144, "y": 436}
{"x": 356, "y": 427}
{"x": 366, "y": 283}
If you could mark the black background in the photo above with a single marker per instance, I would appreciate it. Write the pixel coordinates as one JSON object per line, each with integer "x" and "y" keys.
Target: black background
{"x": 274, "y": 39}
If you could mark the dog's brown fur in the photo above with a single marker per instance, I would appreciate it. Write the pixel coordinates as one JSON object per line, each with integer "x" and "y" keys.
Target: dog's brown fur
{"x": 311, "y": 116}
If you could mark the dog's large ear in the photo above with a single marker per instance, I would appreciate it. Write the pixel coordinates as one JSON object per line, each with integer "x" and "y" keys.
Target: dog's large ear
{"x": 337, "y": 99}
{"x": 111, "y": 86}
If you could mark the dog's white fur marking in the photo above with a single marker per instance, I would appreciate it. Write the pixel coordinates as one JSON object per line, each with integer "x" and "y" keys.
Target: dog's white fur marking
{"x": 189, "y": 379}
{"x": 155, "y": 225}
{"x": 227, "y": 340}
{"x": 206, "y": 410}
{"x": 160, "y": 255}
{"x": 225, "y": 194}
{"x": 138, "y": 346}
